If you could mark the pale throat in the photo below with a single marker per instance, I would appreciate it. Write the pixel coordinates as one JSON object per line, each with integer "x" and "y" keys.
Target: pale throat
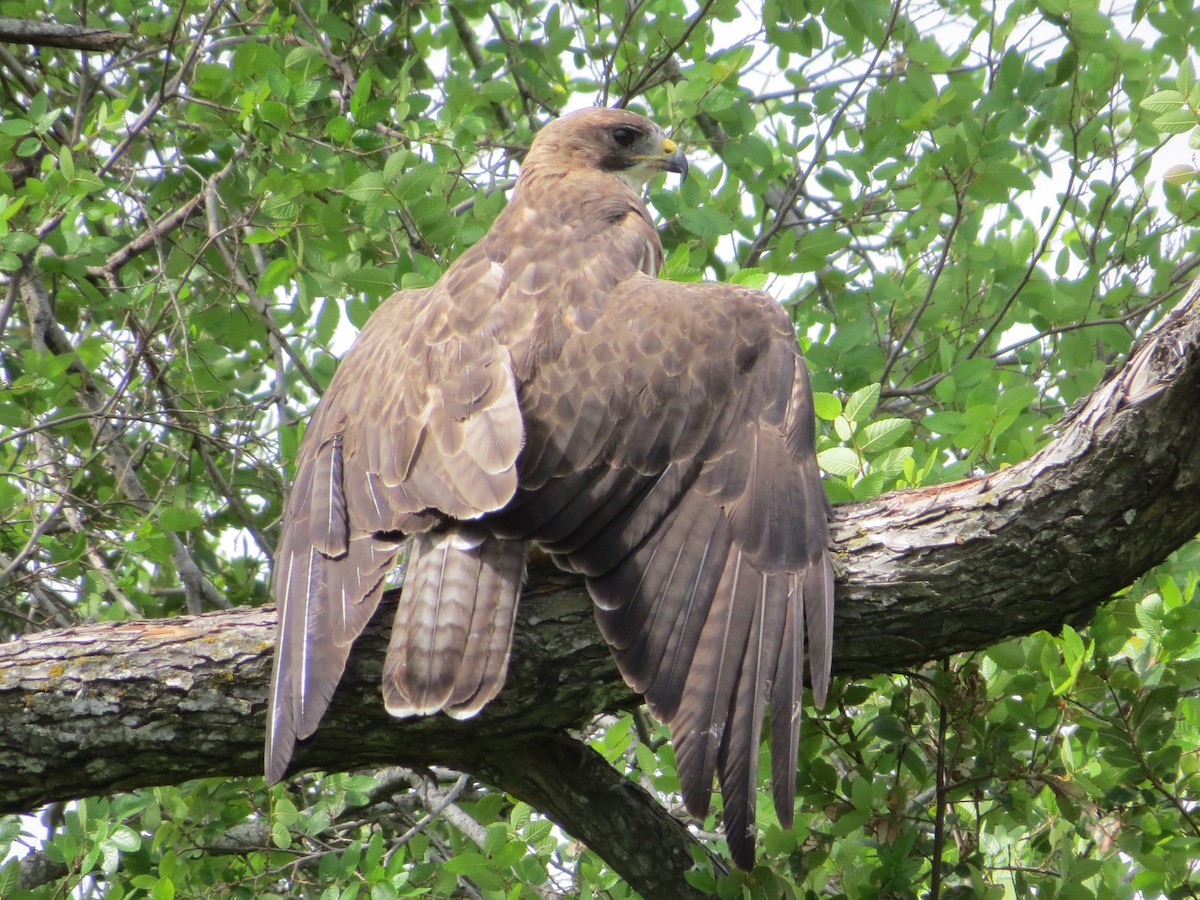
{"x": 637, "y": 177}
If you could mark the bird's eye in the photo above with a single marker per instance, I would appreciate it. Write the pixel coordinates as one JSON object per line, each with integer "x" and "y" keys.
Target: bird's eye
{"x": 624, "y": 135}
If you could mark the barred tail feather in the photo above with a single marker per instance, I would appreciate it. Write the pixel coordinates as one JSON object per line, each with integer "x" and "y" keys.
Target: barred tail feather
{"x": 450, "y": 641}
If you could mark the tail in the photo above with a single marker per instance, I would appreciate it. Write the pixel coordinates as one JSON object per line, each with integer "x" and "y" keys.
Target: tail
{"x": 451, "y": 638}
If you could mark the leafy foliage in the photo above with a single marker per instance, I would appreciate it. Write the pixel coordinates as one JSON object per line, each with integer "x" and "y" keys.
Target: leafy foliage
{"x": 958, "y": 203}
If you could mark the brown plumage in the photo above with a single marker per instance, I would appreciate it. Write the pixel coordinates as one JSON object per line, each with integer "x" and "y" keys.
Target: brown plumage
{"x": 655, "y": 437}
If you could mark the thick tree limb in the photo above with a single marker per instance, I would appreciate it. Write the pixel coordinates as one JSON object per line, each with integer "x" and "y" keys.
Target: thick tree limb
{"x": 51, "y": 34}
{"x": 922, "y": 574}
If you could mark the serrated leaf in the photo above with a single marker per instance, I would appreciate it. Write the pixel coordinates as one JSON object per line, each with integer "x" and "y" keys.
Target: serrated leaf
{"x": 366, "y": 188}
{"x": 1149, "y": 613}
{"x": 395, "y": 166}
{"x": 9, "y": 829}
{"x": 1072, "y": 644}
{"x": 882, "y": 433}
{"x": 1176, "y": 122}
{"x": 755, "y": 278}
{"x": 1172, "y": 597}
{"x": 281, "y": 206}
{"x": 827, "y": 406}
{"x": 496, "y": 838}
{"x": 111, "y": 857}
{"x": 303, "y": 92}
{"x": 10, "y": 875}
{"x": 840, "y": 461}
{"x": 705, "y": 221}
{"x": 1186, "y": 79}
{"x": 366, "y": 139}
{"x": 280, "y": 85}
{"x": 277, "y": 273}
{"x": 893, "y": 462}
{"x": 1181, "y": 174}
{"x": 15, "y": 127}
{"x": 125, "y": 839}
{"x": 475, "y": 867}
{"x": 862, "y": 403}
{"x": 1163, "y": 101}
{"x": 86, "y": 180}
{"x": 260, "y": 236}
{"x": 19, "y": 242}
{"x": 520, "y": 815}
{"x": 843, "y": 428}
{"x": 1064, "y": 67}
{"x": 816, "y": 247}
{"x": 372, "y": 279}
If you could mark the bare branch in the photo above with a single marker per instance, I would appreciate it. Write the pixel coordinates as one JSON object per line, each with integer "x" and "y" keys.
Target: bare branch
{"x": 68, "y": 37}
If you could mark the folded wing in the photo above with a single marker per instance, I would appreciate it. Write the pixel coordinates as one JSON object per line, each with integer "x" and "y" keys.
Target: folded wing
{"x": 419, "y": 426}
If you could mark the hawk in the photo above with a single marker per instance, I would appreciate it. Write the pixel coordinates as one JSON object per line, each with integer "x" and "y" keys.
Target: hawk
{"x": 654, "y": 437}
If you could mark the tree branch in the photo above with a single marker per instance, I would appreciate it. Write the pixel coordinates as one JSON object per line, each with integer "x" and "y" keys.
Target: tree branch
{"x": 50, "y": 34}
{"x": 46, "y": 334}
{"x": 922, "y": 574}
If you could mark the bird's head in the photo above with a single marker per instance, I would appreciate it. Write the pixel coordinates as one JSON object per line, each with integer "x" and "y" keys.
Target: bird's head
{"x": 612, "y": 140}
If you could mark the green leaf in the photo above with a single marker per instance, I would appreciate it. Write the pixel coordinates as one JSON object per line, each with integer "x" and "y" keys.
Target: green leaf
{"x": 395, "y": 166}
{"x": 476, "y": 868}
{"x": 172, "y": 518}
{"x": 705, "y": 221}
{"x": 125, "y": 839}
{"x": 862, "y": 402}
{"x": 110, "y": 857}
{"x": 882, "y": 433}
{"x": 86, "y": 182}
{"x": 1185, "y": 81}
{"x": 1176, "y": 122}
{"x": 844, "y": 428}
{"x": 1164, "y": 101}
{"x": 1181, "y": 174}
{"x": 15, "y": 127}
{"x": 367, "y": 188}
{"x": 840, "y": 461}
{"x": 816, "y": 248}
{"x": 19, "y": 242}
{"x": 755, "y": 278}
{"x": 827, "y": 406}
{"x": 1064, "y": 67}
{"x": 1150, "y": 613}
{"x": 10, "y": 876}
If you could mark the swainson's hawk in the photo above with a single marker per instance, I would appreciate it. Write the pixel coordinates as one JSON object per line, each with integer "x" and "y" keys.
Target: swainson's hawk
{"x": 655, "y": 437}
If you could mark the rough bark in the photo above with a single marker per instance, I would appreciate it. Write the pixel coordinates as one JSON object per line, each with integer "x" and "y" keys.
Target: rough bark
{"x": 922, "y": 574}
{"x": 52, "y": 34}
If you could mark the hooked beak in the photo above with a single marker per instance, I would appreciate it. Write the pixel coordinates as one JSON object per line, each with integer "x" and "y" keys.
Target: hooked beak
{"x": 673, "y": 158}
